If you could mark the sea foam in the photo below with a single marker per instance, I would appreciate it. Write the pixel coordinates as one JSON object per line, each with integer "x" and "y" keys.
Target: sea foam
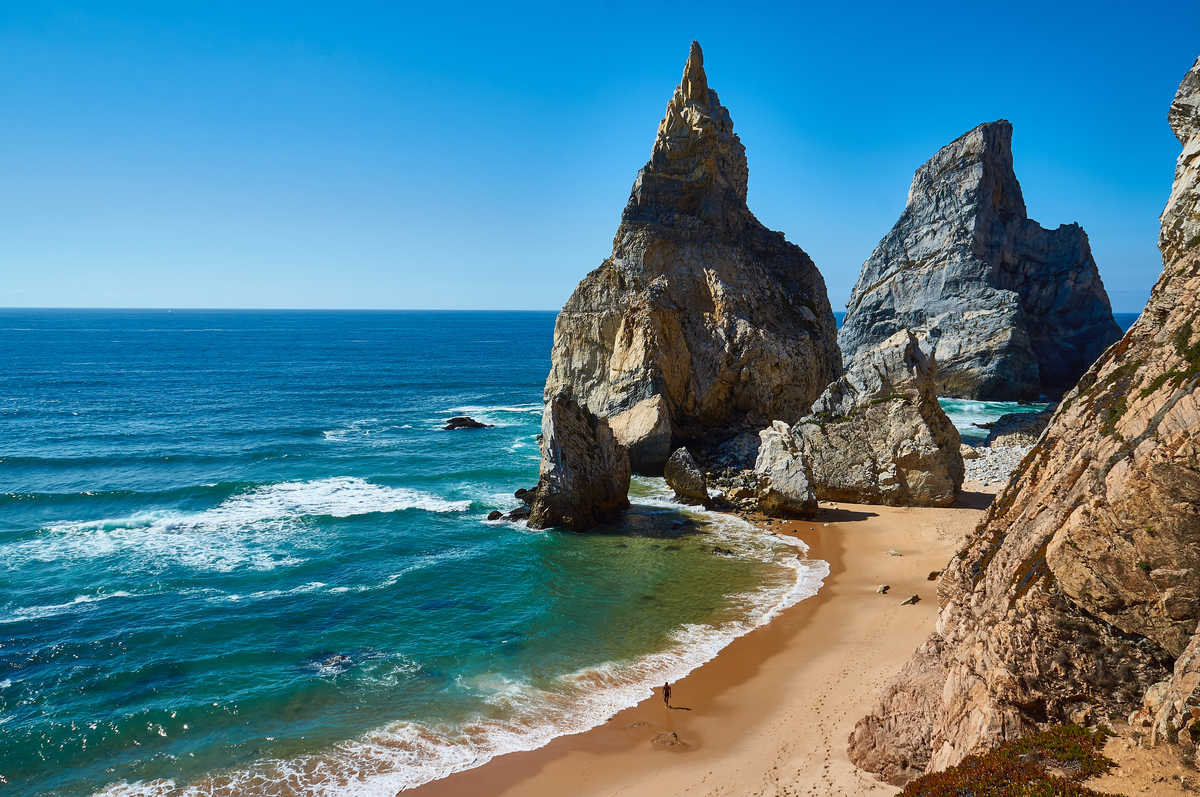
{"x": 404, "y": 754}
{"x": 255, "y": 529}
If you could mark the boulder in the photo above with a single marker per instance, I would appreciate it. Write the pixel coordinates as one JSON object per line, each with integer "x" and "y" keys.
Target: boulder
{"x": 1018, "y": 428}
{"x": 702, "y": 323}
{"x": 684, "y": 476}
{"x": 877, "y": 434}
{"x": 1009, "y": 309}
{"x": 584, "y": 474}
{"x": 1079, "y": 594}
{"x": 784, "y": 476}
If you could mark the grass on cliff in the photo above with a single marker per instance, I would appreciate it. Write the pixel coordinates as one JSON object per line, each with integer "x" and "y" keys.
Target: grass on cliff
{"x": 1052, "y": 763}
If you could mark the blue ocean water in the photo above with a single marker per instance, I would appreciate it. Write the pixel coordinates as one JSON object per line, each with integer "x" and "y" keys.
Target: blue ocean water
{"x": 238, "y": 555}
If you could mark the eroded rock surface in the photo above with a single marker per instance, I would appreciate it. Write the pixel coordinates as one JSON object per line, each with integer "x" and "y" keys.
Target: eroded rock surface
{"x": 702, "y": 322}
{"x": 584, "y": 475}
{"x": 1010, "y": 310}
{"x": 877, "y": 435}
{"x": 684, "y": 476}
{"x": 1081, "y": 589}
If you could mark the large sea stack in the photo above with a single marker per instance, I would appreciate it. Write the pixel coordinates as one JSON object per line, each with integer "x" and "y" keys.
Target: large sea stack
{"x": 1078, "y": 597}
{"x": 1010, "y": 309}
{"x": 702, "y": 323}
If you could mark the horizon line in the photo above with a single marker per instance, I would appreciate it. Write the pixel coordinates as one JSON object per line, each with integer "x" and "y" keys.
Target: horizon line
{"x": 5, "y": 308}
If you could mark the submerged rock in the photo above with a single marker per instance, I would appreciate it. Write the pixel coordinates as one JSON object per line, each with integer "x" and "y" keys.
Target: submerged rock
{"x": 1010, "y": 310}
{"x": 464, "y": 422}
{"x": 684, "y": 476}
{"x": 1079, "y": 594}
{"x": 877, "y": 435}
{"x": 584, "y": 475}
{"x": 702, "y": 322}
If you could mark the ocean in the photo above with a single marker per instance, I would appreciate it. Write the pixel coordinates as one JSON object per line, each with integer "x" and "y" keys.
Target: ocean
{"x": 238, "y": 554}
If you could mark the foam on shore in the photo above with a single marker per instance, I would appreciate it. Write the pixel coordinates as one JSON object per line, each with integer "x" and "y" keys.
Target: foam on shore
{"x": 403, "y": 755}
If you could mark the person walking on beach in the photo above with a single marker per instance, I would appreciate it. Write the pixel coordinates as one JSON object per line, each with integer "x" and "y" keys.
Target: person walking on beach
{"x": 667, "y": 694}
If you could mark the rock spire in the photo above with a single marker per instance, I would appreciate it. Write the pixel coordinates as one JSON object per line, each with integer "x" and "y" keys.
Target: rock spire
{"x": 702, "y": 322}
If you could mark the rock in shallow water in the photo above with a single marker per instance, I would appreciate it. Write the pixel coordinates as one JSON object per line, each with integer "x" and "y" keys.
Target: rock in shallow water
{"x": 1009, "y": 309}
{"x": 684, "y": 476}
{"x": 464, "y": 422}
{"x": 702, "y": 321}
{"x": 584, "y": 475}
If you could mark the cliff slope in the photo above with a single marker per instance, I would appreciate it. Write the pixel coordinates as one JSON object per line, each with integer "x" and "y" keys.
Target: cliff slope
{"x": 1081, "y": 588}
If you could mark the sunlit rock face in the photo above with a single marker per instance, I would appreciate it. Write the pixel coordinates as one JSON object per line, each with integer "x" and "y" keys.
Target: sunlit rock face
{"x": 1009, "y": 309}
{"x": 702, "y": 323}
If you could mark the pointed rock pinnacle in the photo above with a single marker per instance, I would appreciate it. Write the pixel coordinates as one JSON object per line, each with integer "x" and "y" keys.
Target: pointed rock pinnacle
{"x": 694, "y": 83}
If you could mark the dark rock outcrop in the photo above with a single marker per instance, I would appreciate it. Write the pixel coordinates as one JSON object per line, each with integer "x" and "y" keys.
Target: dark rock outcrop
{"x": 684, "y": 476}
{"x": 1079, "y": 594}
{"x": 1010, "y": 310}
{"x": 1018, "y": 428}
{"x": 463, "y": 422}
{"x": 702, "y": 322}
{"x": 876, "y": 435}
{"x": 584, "y": 475}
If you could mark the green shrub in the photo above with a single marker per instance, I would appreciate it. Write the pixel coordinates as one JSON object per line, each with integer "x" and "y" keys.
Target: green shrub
{"x": 1021, "y": 768}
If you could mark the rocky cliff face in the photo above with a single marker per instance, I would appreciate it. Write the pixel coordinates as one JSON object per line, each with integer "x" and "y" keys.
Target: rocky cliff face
{"x": 1081, "y": 589}
{"x": 1010, "y": 310}
{"x": 876, "y": 435}
{"x": 584, "y": 475}
{"x": 702, "y": 322}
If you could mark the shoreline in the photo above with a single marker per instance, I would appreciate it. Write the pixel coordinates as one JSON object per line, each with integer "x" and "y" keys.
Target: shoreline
{"x": 776, "y": 705}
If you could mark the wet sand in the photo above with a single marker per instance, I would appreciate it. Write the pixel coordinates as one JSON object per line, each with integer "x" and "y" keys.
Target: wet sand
{"x": 770, "y": 715}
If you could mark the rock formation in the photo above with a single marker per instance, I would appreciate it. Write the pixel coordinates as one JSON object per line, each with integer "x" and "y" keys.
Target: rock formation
{"x": 877, "y": 434}
{"x": 1081, "y": 589}
{"x": 1018, "y": 428}
{"x": 702, "y": 322}
{"x": 584, "y": 475}
{"x": 684, "y": 476}
{"x": 785, "y": 483}
{"x": 1010, "y": 310}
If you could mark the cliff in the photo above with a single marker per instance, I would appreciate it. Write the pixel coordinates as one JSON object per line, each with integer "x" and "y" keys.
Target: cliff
{"x": 702, "y": 322}
{"x": 1009, "y": 309}
{"x": 1080, "y": 592}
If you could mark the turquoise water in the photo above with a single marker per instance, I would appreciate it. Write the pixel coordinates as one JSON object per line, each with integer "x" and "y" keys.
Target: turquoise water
{"x": 966, "y": 413}
{"x": 238, "y": 555}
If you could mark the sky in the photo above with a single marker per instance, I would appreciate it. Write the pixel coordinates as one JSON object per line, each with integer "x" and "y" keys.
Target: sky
{"x": 461, "y": 155}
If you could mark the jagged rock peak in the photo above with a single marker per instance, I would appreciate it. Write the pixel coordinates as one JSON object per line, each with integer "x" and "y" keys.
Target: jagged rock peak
{"x": 702, "y": 324}
{"x": 697, "y": 170}
{"x": 1011, "y": 309}
{"x": 981, "y": 156}
{"x": 694, "y": 84}
{"x": 1180, "y": 230}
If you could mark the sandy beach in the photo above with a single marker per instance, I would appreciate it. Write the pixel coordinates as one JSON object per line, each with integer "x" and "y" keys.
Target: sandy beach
{"x": 770, "y": 715}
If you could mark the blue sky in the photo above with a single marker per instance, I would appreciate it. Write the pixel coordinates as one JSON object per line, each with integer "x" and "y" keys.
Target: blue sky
{"x": 379, "y": 155}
